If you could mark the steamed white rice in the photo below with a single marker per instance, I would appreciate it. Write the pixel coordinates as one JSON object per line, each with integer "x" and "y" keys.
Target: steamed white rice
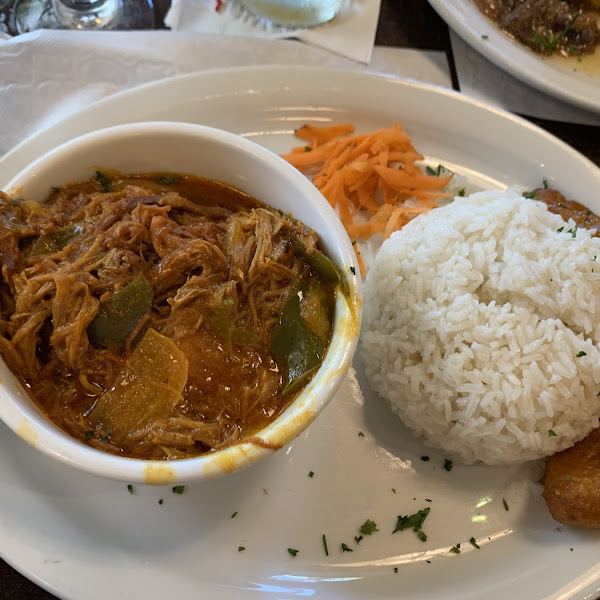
{"x": 481, "y": 324}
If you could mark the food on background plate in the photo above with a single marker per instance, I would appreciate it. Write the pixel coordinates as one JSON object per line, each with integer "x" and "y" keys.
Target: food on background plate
{"x": 161, "y": 316}
{"x": 481, "y": 325}
{"x": 373, "y": 180}
{"x": 565, "y": 27}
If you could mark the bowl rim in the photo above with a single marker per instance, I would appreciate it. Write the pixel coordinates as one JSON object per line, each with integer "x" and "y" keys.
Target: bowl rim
{"x": 28, "y": 422}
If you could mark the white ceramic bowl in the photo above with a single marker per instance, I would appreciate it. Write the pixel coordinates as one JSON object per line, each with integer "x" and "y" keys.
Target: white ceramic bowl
{"x": 214, "y": 154}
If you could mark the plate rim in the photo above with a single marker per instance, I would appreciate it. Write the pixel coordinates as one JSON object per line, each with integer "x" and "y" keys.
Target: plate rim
{"x": 186, "y": 78}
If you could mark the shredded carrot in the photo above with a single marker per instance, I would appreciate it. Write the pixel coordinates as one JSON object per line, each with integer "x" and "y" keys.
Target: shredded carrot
{"x": 319, "y": 135}
{"x": 367, "y": 178}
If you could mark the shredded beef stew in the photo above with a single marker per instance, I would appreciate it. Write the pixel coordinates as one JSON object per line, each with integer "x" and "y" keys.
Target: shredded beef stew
{"x": 161, "y": 316}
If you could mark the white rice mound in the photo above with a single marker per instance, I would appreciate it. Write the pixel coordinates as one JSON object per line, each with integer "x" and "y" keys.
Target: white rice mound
{"x": 481, "y": 324}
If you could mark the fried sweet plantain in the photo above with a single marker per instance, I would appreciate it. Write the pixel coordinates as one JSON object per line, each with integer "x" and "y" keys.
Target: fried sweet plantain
{"x": 572, "y": 483}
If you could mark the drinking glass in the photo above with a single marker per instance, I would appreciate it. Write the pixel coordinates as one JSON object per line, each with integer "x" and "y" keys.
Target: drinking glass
{"x": 29, "y": 15}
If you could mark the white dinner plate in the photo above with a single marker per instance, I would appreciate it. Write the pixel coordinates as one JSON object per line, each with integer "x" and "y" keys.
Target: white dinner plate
{"x": 88, "y": 538}
{"x": 564, "y": 79}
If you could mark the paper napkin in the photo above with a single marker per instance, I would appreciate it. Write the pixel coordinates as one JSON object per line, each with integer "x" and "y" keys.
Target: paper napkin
{"x": 481, "y": 79}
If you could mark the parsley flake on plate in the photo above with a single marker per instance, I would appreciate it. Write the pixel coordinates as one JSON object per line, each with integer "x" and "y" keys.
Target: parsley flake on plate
{"x": 179, "y": 489}
{"x": 414, "y": 522}
{"x": 368, "y": 527}
{"x": 293, "y": 551}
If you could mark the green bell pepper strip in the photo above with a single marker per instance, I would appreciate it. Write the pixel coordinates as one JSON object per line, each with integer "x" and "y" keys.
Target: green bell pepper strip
{"x": 297, "y": 348}
{"x": 118, "y": 317}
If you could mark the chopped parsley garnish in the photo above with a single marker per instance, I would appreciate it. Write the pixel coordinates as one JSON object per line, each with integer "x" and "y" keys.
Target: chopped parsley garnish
{"x": 358, "y": 539}
{"x": 461, "y": 192}
{"x": 307, "y": 148}
{"x": 368, "y": 527}
{"x": 581, "y": 353}
{"x": 325, "y": 545}
{"x": 437, "y": 171}
{"x": 567, "y": 478}
{"x": 104, "y": 438}
{"x": 428, "y": 500}
{"x": 395, "y": 569}
{"x": 394, "y": 490}
{"x": 179, "y": 489}
{"x": 545, "y": 183}
{"x": 424, "y": 458}
{"x": 551, "y": 433}
{"x": 530, "y": 195}
{"x": 54, "y": 190}
{"x": 104, "y": 181}
{"x": 234, "y": 515}
{"x": 241, "y": 548}
{"x": 549, "y": 45}
{"x": 560, "y": 230}
{"x": 455, "y": 549}
{"x": 160, "y": 501}
{"x": 573, "y": 232}
{"x": 353, "y": 270}
{"x": 448, "y": 464}
{"x": 414, "y": 522}
{"x": 88, "y": 434}
{"x": 361, "y": 434}
{"x": 485, "y": 37}
{"x": 346, "y": 548}
{"x": 293, "y": 552}
{"x": 474, "y": 543}
{"x": 311, "y": 474}
{"x": 130, "y": 489}
{"x": 168, "y": 180}
{"x": 505, "y": 504}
